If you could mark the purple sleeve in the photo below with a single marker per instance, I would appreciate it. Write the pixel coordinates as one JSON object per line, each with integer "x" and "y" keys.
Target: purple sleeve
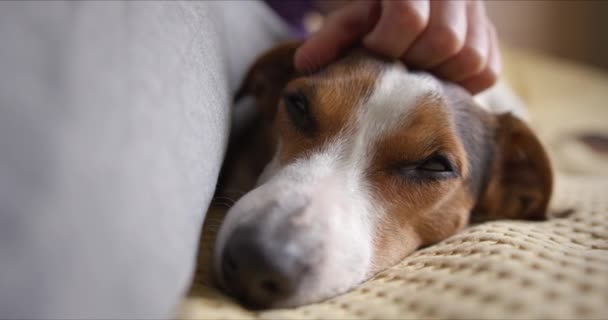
{"x": 293, "y": 12}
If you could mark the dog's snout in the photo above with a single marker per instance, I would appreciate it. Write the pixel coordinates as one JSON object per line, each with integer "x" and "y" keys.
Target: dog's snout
{"x": 259, "y": 273}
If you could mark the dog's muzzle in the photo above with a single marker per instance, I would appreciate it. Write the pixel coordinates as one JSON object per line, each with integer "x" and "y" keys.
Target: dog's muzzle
{"x": 265, "y": 260}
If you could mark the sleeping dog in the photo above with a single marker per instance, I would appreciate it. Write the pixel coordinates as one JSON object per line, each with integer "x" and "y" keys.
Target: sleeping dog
{"x": 347, "y": 170}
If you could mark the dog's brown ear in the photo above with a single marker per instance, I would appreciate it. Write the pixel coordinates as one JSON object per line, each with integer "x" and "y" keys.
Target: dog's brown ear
{"x": 520, "y": 178}
{"x": 268, "y": 75}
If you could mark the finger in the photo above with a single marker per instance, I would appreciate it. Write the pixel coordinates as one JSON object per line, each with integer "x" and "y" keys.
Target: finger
{"x": 473, "y": 56}
{"x": 490, "y": 74}
{"x": 339, "y": 32}
{"x": 443, "y": 37}
{"x": 400, "y": 24}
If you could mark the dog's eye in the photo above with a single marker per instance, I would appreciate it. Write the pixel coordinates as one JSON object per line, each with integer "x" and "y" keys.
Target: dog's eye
{"x": 297, "y": 109}
{"x": 436, "y": 164}
{"x": 435, "y": 167}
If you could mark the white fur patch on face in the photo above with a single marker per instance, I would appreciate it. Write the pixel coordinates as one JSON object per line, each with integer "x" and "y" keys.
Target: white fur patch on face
{"x": 397, "y": 93}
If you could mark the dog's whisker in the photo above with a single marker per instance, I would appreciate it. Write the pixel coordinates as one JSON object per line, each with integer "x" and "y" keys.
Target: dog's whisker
{"x": 225, "y": 204}
{"x": 226, "y": 199}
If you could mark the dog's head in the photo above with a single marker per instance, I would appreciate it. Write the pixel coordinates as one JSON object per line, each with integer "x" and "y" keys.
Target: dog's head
{"x": 371, "y": 161}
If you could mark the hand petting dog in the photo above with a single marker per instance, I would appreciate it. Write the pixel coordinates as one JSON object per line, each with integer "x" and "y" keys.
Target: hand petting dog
{"x": 454, "y": 40}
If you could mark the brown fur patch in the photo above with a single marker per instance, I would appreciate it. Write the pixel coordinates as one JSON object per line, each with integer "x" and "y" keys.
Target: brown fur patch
{"x": 418, "y": 212}
{"x": 333, "y": 98}
{"x": 521, "y": 178}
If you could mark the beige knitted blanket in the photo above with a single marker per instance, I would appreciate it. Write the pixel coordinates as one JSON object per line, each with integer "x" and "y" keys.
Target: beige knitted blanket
{"x": 505, "y": 269}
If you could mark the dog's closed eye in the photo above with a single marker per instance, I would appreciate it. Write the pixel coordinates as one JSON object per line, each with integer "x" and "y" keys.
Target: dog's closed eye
{"x": 298, "y": 112}
{"x": 436, "y": 163}
{"x": 435, "y": 167}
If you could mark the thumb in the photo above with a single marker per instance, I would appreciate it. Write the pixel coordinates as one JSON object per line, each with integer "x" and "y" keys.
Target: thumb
{"x": 340, "y": 30}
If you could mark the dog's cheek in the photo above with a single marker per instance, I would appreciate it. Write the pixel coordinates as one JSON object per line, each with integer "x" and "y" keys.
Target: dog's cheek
{"x": 446, "y": 220}
{"x": 393, "y": 240}
{"x": 271, "y": 168}
{"x": 395, "y": 234}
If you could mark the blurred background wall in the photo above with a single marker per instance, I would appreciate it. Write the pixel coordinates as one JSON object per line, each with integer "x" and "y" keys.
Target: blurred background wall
{"x": 571, "y": 29}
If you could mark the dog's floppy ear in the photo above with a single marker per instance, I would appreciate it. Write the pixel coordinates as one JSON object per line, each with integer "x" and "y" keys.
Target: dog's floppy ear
{"x": 268, "y": 75}
{"x": 520, "y": 179}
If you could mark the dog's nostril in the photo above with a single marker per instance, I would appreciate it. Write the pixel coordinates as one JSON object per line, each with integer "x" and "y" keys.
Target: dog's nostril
{"x": 229, "y": 268}
{"x": 230, "y": 263}
{"x": 268, "y": 289}
{"x": 271, "y": 287}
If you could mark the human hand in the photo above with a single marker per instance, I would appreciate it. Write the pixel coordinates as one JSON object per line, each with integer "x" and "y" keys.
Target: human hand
{"x": 454, "y": 40}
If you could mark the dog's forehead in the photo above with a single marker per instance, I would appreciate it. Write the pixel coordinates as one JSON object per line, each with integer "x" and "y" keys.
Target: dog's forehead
{"x": 391, "y": 90}
{"x": 388, "y": 76}
{"x": 392, "y": 93}
{"x": 398, "y": 92}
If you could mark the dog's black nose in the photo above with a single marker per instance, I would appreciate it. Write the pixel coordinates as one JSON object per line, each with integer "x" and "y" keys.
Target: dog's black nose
{"x": 259, "y": 273}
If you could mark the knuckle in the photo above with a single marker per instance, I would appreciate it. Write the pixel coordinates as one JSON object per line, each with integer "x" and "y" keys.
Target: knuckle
{"x": 474, "y": 58}
{"x": 483, "y": 85}
{"x": 416, "y": 22}
{"x": 496, "y": 66}
{"x": 411, "y": 18}
{"x": 445, "y": 39}
{"x": 492, "y": 75}
{"x": 402, "y": 7}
